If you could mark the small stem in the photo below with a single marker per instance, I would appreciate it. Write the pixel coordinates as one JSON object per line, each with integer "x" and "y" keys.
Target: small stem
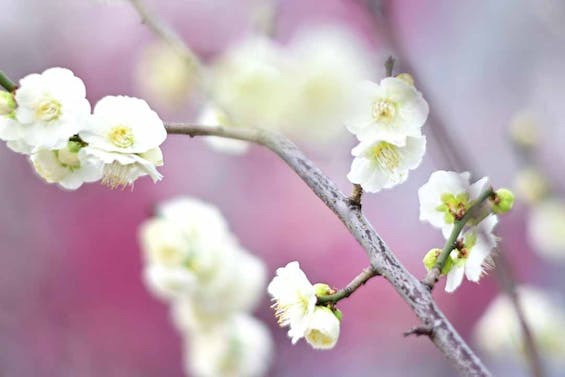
{"x": 389, "y": 66}
{"x": 359, "y": 280}
{"x": 434, "y": 274}
{"x": 355, "y": 198}
{"x": 6, "y": 83}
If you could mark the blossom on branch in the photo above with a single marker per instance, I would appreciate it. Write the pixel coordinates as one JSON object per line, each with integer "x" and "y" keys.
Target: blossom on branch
{"x": 381, "y": 164}
{"x": 124, "y": 134}
{"x": 323, "y": 330}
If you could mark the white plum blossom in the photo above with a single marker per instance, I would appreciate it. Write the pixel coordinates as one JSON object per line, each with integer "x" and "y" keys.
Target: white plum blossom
{"x": 499, "y": 333}
{"x": 390, "y": 110}
{"x": 447, "y": 196}
{"x": 474, "y": 254}
{"x": 125, "y": 135}
{"x": 546, "y": 229}
{"x": 238, "y": 347}
{"x": 211, "y": 115}
{"x": 380, "y": 164}
{"x": 51, "y": 107}
{"x": 64, "y": 167}
{"x": 320, "y": 84}
{"x": 294, "y": 299}
{"x": 323, "y": 329}
{"x": 246, "y": 82}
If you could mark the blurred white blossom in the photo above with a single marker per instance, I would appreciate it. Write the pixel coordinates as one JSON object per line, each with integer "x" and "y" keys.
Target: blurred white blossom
{"x": 239, "y": 347}
{"x": 381, "y": 164}
{"x": 530, "y": 185}
{"x": 124, "y": 134}
{"x": 498, "y": 332}
{"x": 546, "y": 229}
{"x": 212, "y": 115}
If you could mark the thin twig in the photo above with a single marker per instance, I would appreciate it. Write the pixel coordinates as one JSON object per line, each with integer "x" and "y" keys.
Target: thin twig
{"x": 355, "y": 284}
{"x": 434, "y": 274}
{"x": 381, "y": 257}
{"x": 6, "y": 83}
{"x": 426, "y": 330}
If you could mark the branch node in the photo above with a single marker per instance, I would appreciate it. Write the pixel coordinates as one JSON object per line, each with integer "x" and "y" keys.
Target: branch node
{"x": 427, "y": 330}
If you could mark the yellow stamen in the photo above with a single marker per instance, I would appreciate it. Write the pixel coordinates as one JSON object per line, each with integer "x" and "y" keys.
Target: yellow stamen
{"x": 386, "y": 155}
{"x": 384, "y": 110}
{"x": 121, "y": 136}
{"x": 48, "y": 110}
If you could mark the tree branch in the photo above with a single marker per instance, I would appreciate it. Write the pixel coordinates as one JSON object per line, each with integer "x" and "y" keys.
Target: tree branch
{"x": 453, "y": 153}
{"x": 355, "y": 284}
{"x": 381, "y": 257}
{"x": 6, "y": 83}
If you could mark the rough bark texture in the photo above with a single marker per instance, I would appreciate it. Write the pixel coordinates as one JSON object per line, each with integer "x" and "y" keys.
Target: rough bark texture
{"x": 381, "y": 257}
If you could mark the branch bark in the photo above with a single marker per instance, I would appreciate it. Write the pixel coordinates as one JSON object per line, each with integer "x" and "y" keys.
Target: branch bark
{"x": 381, "y": 257}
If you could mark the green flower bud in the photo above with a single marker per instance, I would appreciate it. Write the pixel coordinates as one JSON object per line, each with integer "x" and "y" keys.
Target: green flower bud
{"x": 503, "y": 201}
{"x": 430, "y": 258}
{"x": 406, "y": 77}
{"x": 7, "y": 103}
{"x": 322, "y": 289}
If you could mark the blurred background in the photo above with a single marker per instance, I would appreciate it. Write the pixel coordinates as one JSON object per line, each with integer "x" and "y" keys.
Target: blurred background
{"x": 72, "y": 301}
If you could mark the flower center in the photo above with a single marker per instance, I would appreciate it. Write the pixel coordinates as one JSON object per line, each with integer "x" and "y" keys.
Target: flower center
{"x": 68, "y": 158}
{"x": 386, "y": 155}
{"x": 48, "y": 110}
{"x": 121, "y": 136}
{"x": 384, "y": 110}
{"x": 453, "y": 206}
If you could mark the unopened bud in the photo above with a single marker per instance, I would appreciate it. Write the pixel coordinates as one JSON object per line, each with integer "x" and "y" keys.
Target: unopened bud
{"x": 322, "y": 289}
{"x": 7, "y": 103}
{"x": 430, "y": 259}
{"x": 503, "y": 201}
{"x": 406, "y": 77}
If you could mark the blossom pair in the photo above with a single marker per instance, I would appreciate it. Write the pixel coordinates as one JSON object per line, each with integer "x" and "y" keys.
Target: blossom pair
{"x": 49, "y": 119}
{"x": 295, "y": 306}
{"x": 387, "y": 120}
{"x": 195, "y": 263}
{"x": 447, "y": 198}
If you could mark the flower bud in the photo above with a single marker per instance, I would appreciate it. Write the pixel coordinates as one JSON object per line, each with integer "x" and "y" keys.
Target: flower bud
{"x": 503, "y": 201}
{"x": 531, "y": 186}
{"x": 523, "y": 130}
{"x": 406, "y": 77}
{"x": 323, "y": 329}
{"x": 430, "y": 258}
{"x": 7, "y": 103}
{"x": 322, "y": 289}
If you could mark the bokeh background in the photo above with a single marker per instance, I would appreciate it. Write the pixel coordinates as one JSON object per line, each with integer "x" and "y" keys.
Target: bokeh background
{"x": 72, "y": 302}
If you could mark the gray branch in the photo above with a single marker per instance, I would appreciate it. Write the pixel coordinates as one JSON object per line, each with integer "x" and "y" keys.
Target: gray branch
{"x": 381, "y": 257}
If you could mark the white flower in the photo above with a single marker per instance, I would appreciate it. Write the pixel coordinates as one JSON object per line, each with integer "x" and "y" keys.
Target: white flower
{"x": 51, "y": 107}
{"x": 294, "y": 299}
{"x": 381, "y": 164}
{"x": 63, "y": 166}
{"x": 390, "y": 110}
{"x": 247, "y": 80}
{"x": 236, "y": 288}
{"x": 546, "y": 229}
{"x": 213, "y": 116}
{"x": 323, "y": 330}
{"x": 498, "y": 332}
{"x": 530, "y": 185}
{"x": 125, "y": 134}
{"x": 475, "y": 254}
{"x": 446, "y": 197}
{"x": 320, "y": 84}
{"x": 239, "y": 347}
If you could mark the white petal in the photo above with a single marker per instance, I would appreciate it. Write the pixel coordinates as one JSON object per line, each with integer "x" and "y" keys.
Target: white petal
{"x": 454, "y": 278}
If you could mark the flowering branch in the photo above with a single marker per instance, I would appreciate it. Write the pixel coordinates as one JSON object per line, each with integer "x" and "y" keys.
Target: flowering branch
{"x": 356, "y": 283}
{"x": 381, "y": 257}
{"x": 451, "y": 243}
{"x": 6, "y": 83}
{"x": 454, "y": 156}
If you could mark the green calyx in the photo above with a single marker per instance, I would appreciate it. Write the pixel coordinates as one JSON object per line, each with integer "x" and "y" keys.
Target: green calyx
{"x": 454, "y": 207}
{"x": 430, "y": 259}
{"x": 337, "y": 313}
{"x": 502, "y": 201}
{"x": 7, "y": 104}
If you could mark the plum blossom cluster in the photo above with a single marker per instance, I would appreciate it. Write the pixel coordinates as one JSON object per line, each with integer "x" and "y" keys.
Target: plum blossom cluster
{"x": 295, "y": 304}
{"x": 451, "y": 203}
{"x": 387, "y": 120}
{"x": 302, "y": 88}
{"x": 194, "y": 263}
{"x": 49, "y": 119}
